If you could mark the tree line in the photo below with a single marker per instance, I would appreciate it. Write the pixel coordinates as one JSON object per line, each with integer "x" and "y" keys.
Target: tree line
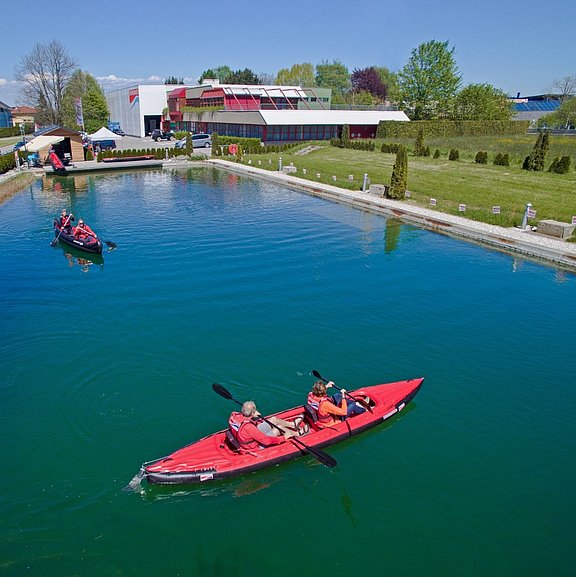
{"x": 428, "y": 86}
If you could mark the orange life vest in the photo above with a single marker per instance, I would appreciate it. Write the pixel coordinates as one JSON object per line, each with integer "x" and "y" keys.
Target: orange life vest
{"x": 316, "y": 402}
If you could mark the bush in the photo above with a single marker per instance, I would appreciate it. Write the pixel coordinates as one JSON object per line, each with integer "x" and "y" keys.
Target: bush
{"x": 7, "y": 162}
{"x": 454, "y": 154}
{"x": 560, "y": 165}
{"x": 389, "y": 148}
{"x": 436, "y": 153}
{"x": 481, "y": 157}
{"x": 501, "y": 159}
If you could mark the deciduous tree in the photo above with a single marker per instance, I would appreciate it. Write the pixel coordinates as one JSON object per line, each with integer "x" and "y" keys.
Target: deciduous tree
{"x": 45, "y": 72}
{"x": 297, "y": 75}
{"x": 333, "y": 75}
{"x": 368, "y": 80}
{"x": 482, "y": 102}
{"x": 429, "y": 81}
{"x": 94, "y": 106}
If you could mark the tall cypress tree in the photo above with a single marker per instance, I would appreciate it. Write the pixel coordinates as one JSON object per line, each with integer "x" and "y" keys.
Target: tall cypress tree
{"x": 399, "y": 175}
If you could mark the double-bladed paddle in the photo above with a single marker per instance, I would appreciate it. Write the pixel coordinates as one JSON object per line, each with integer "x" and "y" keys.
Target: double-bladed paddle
{"x": 323, "y": 457}
{"x": 361, "y": 402}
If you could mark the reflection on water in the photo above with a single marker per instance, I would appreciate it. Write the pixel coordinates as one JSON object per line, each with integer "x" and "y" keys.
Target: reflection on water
{"x": 82, "y": 259}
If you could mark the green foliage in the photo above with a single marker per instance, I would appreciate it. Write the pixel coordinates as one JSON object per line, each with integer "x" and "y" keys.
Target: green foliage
{"x": 298, "y": 75}
{"x": 8, "y": 131}
{"x": 245, "y": 76}
{"x": 399, "y": 178}
{"x": 482, "y": 102}
{"x": 7, "y": 162}
{"x": 419, "y": 149}
{"x": 481, "y": 157}
{"x": 564, "y": 116}
{"x": 174, "y": 80}
{"x": 436, "y": 154}
{"x": 426, "y": 151}
{"x": 448, "y": 128}
{"x": 345, "y": 134}
{"x": 429, "y": 81}
{"x": 201, "y": 109}
{"x": 538, "y": 155}
{"x": 560, "y": 165}
{"x": 454, "y": 154}
{"x": 221, "y": 73}
{"x": 388, "y": 148}
{"x": 333, "y": 75}
{"x": 88, "y": 154}
{"x": 502, "y": 159}
{"x": 94, "y": 106}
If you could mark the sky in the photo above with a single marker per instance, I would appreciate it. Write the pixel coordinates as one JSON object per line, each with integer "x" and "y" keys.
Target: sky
{"x": 518, "y": 47}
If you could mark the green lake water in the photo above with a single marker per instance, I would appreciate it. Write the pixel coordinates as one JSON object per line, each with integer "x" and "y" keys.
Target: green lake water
{"x": 216, "y": 278}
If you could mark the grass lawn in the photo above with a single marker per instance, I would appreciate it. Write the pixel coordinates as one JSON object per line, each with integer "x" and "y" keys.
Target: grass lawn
{"x": 451, "y": 183}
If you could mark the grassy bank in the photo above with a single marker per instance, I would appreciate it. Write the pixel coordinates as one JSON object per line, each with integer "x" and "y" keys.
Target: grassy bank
{"x": 10, "y": 187}
{"x": 451, "y": 183}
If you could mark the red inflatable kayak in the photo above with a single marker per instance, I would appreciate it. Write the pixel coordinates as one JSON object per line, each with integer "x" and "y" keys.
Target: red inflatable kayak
{"x": 214, "y": 457}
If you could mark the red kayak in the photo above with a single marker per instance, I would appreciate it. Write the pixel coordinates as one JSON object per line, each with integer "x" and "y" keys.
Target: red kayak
{"x": 215, "y": 457}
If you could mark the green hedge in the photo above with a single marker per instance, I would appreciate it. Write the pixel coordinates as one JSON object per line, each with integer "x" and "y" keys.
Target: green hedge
{"x": 248, "y": 145}
{"x": 442, "y": 128}
{"x": 15, "y": 130}
{"x": 7, "y": 162}
{"x": 157, "y": 153}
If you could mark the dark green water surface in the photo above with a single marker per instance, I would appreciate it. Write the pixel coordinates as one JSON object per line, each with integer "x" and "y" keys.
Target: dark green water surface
{"x": 107, "y": 364}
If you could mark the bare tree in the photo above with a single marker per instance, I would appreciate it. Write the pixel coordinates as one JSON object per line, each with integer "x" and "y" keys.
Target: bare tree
{"x": 564, "y": 87}
{"x": 45, "y": 73}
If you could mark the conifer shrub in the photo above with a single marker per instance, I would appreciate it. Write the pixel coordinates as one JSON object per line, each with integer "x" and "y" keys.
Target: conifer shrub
{"x": 560, "y": 165}
{"x": 481, "y": 157}
{"x": 436, "y": 153}
{"x": 454, "y": 154}
{"x": 427, "y": 151}
{"x": 419, "y": 143}
{"x": 399, "y": 178}
{"x": 502, "y": 159}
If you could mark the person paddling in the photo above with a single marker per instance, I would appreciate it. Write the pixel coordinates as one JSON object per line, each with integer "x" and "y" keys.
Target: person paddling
{"x": 83, "y": 231}
{"x": 65, "y": 221}
{"x": 331, "y": 410}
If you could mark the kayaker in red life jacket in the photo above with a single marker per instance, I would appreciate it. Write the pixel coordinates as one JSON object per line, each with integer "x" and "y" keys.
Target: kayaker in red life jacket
{"x": 83, "y": 231}
{"x": 65, "y": 220}
{"x": 327, "y": 409}
{"x": 253, "y": 433}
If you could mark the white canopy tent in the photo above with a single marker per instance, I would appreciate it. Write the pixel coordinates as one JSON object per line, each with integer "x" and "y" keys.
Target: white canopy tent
{"x": 40, "y": 142}
{"x": 104, "y": 134}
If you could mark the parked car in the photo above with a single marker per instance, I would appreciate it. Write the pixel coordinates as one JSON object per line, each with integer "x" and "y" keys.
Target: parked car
{"x": 158, "y": 134}
{"x": 103, "y": 145}
{"x": 19, "y": 145}
{"x": 198, "y": 141}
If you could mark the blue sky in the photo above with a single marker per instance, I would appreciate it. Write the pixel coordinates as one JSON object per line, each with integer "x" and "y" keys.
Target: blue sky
{"x": 518, "y": 47}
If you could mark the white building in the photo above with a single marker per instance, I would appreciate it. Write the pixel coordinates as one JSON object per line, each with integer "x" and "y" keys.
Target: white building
{"x": 139, "y": 108}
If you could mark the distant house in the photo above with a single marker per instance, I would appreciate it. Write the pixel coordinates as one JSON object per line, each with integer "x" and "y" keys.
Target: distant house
{"x": 23, "y": 115}
{"x": 5, "y": 115}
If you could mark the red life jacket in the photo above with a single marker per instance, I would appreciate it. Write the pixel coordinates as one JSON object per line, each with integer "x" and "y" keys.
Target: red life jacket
{"x": 316, "y": 402}
{"x": 236, "y": 422}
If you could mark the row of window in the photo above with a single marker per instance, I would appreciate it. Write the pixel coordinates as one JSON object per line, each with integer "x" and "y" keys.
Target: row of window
{"x": 266, "y": 133}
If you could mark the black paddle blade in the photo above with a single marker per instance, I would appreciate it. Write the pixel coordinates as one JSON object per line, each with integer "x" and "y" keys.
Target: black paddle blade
{"x": 319, "y": 376}
{"x": 110, "y": 244}
{"x": 323, "y": 457}
{"x": 53, "y": 243}
{"x": 220, "y": 390}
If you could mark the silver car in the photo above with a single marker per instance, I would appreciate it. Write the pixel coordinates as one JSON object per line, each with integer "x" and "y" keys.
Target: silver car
{"x": 198, "y": 141}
